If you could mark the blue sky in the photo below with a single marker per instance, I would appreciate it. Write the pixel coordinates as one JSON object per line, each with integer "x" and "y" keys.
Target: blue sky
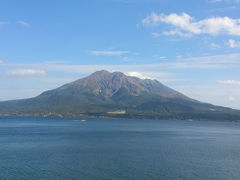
{"x": 191, "y": 46}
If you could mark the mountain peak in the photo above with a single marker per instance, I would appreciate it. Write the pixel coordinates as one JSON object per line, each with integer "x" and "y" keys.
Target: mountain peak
{"x": 107, "y": 73}
{"x": 114, "y": 94}
{"x": 100, "y": 72}
{"x": 107, "y": 84}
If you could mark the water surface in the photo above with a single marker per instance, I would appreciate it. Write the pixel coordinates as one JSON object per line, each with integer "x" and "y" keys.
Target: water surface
{"x": 71, "y": 149}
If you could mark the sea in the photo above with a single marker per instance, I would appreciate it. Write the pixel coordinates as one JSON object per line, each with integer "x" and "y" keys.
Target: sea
{"x": 33, "y": 148}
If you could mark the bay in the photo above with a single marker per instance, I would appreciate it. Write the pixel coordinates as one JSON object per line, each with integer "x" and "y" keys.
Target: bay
{"x": 84, "y": 148}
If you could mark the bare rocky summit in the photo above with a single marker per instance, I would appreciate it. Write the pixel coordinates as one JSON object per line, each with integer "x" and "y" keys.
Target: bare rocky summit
{"x": 106, "y": 94}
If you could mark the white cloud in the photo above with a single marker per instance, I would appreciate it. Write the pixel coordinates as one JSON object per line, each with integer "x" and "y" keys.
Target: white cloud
{"x": 23, "y": 23}
{"x": 162, "y": 57}
{"x": 230, "y": 82}
{"x": 204, "y": 62}
{"x": 57, "y": 62}
{"x": 187, "y": 24}
{"x": 110, "y": 53}
{"x": 217, "y": 94}
{"x": 155, "y": 34}
{"x": 215, "y": 46}
{"x": 176, "y": 32}
{"x": 3, "y": 22}
{"x": 1, "y": 61}
{"x": 26, "y": 72}
{"x": 137, "y": 74}
{"x": 233, "y": 44}
{"x": 226, "y": 61}
{"x": 230, "y": 98}
{"x": 216, "y": 1}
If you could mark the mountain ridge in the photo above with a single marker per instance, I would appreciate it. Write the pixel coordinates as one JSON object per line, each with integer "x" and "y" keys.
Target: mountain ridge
{"x": 106, "y": 84}
{"x": 103, "y": 93}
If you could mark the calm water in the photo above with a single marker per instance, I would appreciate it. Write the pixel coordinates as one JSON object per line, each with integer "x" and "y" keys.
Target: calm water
{"x": 69, "y": 149}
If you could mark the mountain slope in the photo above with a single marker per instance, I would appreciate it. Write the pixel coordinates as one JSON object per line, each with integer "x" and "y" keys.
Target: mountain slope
{"x": 116, "y": 95}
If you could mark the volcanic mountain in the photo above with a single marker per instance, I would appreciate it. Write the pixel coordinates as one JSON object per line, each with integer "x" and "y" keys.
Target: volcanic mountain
{"x": 116, "y": 95}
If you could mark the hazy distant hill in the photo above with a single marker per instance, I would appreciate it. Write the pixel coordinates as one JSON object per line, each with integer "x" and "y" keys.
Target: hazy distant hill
{"x": 116, "y": 95}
